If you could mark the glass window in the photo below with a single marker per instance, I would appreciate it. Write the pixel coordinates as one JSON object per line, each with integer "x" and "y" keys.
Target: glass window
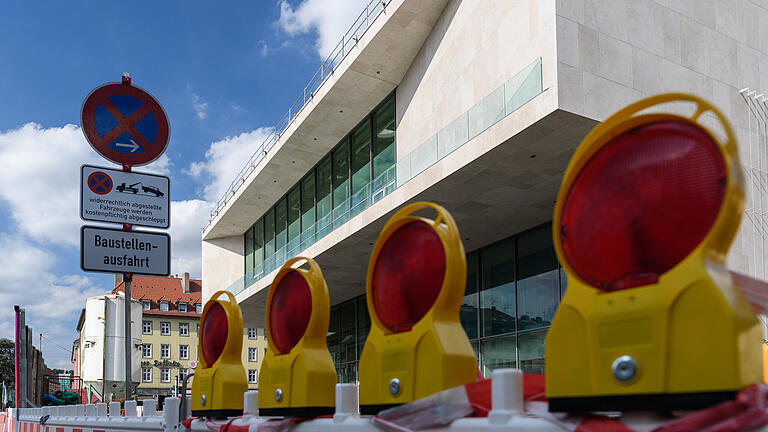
{"x": 252, "y": 355}
{"x": 182, "y": 373}
{"x": 182, "y": 307}
{"x": 324, "y": 198}
{"x": 146, "y": 304}
{"x": 164, "y": 306}
{"x": 532, "y": 351}
{"x": 308, "y": 210}
{"x": 538, "y": 289}
{"x": 258, "y": 247}
{"x": 146, "y": 327}
{"x": 333, "y": 338}
{"x": 497, "y": 295}
{"x": 281, "y": 221}
{"x": 563, "y": 282}
{"x": 165, "y": 328}
{"x": 252, "y": 333}
{"x": 198, "y": 308}
{"x": 184, "y": 352}
{"x": 363, "y": 324}
{"x": 249, "y": 252}
{"x": 341, "y": 184}
{"x": 348, "y": 348}
{"x": 294, "y": 221}
{"x": 252, "y": 375}
{"x": 165, "y": 375}
{"x": 383, "y": 142}
{"x": 498, "y": 353}
{"x": 146, "y": 374}
{"x": 361, "y": 167}
{"x": 183, "y": 329}
{"x": 165, "y": 351}
{"x": 269, "y": 234}
{"x": 146, "y": 350}
{"x": 468, "y": 311}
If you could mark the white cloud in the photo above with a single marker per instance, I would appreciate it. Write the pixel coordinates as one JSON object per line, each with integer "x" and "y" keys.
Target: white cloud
{"x": 224, "y": 159}
{"x": 263, "y": 49}
{"x": 188, "y": 218}
{"x": 201, "y": 106}
{"x": 52, "y": 302}
{"x": 329, "y": 18}
{"x": 41, "y": 179}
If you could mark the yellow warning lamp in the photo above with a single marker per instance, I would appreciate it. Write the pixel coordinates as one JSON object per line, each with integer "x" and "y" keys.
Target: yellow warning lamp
{"x": 220, "y": 379}
{"x": 414, "y": 288}
{"x": 297, "y": 377}
{"x": 651, "y": 319}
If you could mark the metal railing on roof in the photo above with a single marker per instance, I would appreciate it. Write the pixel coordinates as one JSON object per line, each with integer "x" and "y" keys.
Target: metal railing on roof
{"x": 372, "y": 10}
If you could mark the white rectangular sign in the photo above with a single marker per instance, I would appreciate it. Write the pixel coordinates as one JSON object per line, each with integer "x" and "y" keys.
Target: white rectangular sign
{"x": 112, "y": 250}
{"x": 112, "y": 195}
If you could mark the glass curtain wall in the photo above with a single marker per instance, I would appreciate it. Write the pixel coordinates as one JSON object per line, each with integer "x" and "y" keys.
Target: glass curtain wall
{"x": 357, "y": 172}
{"x": 513, "y": 289}
{"x": 341, "y": 184}
{"x": 361, "y": 168}
{"x": 294, "y": 222}
{"x": 384, "y": 150}
{"x": 324, "y": 222}
{"x": 308, "y": 210}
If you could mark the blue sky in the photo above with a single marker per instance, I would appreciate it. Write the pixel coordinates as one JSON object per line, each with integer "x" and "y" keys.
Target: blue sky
{"x": 224, "y": 72}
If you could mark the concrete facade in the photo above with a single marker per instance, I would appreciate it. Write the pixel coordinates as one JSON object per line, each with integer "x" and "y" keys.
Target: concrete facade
{"x": 596, "y": 56}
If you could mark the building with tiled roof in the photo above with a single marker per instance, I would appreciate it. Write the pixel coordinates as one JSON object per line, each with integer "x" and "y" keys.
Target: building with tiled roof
{"x": 171, "y": 309}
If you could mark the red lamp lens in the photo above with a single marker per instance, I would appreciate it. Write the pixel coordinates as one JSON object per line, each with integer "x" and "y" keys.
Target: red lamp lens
{"x": 215, "y": 331}
{"x": 290, "y": 311}
{"x": 641, "y": 204}
{"x": 408, "y": 275}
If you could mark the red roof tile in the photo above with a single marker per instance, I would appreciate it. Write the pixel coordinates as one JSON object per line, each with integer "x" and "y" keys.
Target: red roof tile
{"x": 165, "y": 288}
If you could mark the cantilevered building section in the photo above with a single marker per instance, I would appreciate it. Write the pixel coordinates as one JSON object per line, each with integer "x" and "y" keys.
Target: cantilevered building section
{"x": 476, "y": 106}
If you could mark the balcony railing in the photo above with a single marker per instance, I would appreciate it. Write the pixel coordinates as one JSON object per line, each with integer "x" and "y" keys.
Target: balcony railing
{"x": 372, "y": 10}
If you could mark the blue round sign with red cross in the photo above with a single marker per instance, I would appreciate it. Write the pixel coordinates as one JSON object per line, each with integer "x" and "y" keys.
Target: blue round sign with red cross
{"x": 100, "y": 183}
{"x": 125, "y": 124}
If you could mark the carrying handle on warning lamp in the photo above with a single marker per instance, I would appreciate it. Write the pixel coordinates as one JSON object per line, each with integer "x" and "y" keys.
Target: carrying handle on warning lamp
{"x": 317, "y": 327}
{"x": 628, "y": 118}
{"x": 727, "y": 221}
{"x": 232, "y": 312}
{"x": 448, "y": 300}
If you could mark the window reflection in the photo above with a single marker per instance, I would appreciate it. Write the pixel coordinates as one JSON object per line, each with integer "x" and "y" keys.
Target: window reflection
{"x": 532, "y": 351}
{"x": 497, "y": 298}
{"x": 468, "y": 311}
{"x": 498, "y": 353}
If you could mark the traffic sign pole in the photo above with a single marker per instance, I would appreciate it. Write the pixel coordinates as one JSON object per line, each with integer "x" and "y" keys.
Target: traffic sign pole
{"x": 127, "y": 279}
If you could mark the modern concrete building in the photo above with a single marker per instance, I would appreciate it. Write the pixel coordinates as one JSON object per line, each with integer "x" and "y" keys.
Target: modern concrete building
{"x": 477, "y": 106}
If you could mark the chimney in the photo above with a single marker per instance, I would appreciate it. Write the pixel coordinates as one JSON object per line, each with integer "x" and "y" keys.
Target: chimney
{"x": 118, "y": 279}
{"x": 185, "y": 282}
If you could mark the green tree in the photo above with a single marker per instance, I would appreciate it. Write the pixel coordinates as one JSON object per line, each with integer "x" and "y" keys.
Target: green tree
{"x": 6, "y": 365}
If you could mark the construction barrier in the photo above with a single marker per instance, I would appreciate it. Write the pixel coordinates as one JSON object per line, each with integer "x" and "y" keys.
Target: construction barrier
{"x": 513, "y": 410}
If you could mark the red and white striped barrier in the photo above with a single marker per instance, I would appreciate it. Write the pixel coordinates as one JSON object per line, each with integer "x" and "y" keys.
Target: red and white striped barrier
{"x": 507, "y": 402}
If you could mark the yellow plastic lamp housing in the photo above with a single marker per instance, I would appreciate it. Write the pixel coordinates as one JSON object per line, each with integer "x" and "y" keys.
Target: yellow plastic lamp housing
{"x": 220, "y": 379}
{"x": 415, "y": 285}
{"x": 297, "y": 377}
{"x": 651, "y": 319}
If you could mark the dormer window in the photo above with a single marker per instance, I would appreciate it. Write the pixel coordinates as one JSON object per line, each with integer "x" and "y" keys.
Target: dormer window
{"x": 182, "y": 307}
{"x": 164, "y": 306}
{"x": 198, "y": 308}
{"x": 146, "y": 304}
